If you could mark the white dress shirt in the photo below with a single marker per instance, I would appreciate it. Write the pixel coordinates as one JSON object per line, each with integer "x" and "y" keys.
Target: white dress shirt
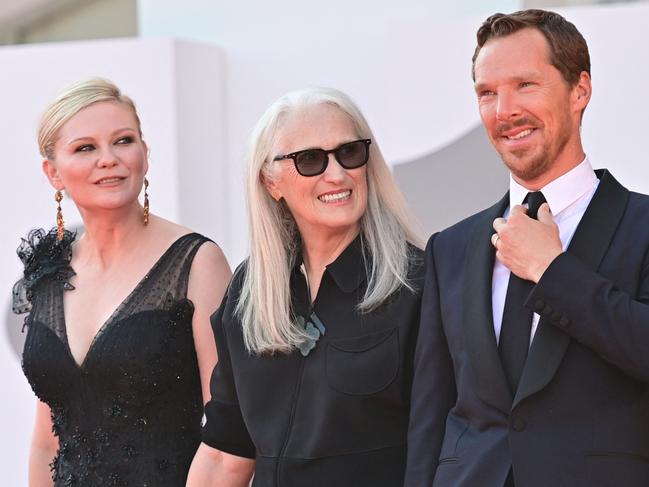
{"x": 568, "y": 196}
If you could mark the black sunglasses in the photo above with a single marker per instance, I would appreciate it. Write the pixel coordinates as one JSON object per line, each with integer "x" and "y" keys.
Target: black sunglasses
{"x": 311, "y": 162}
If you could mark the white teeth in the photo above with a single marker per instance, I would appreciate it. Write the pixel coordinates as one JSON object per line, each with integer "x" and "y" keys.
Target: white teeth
{"x": 109, "y": 180}
{"x": 329, "y": 198}
{"x": 524, "y": 133}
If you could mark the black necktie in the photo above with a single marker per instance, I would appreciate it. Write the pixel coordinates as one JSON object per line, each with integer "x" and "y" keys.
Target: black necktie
{"x": 517, "y": 320}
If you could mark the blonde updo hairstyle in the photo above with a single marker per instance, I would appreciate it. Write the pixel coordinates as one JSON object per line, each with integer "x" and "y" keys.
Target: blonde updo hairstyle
{"x": 77, "y": 97}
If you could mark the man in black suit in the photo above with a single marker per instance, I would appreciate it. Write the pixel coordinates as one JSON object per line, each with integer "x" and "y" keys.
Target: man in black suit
{"x": 532, "y": 363}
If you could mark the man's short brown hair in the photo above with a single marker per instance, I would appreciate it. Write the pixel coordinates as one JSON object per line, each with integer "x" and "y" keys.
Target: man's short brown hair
{"x": 568, "y": 48}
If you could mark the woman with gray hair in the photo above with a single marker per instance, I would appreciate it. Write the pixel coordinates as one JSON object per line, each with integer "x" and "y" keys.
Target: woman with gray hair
{"x": 316, "y": 333}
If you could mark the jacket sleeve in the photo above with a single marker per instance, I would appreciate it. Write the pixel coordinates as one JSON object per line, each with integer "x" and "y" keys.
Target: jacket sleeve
{"x": 225, "y": 428}
{"x": 593, "y": 311}
{"x": 433, "y": 389}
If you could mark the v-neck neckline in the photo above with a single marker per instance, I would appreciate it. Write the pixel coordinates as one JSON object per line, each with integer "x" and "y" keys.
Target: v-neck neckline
{"x": 106, "y": 324}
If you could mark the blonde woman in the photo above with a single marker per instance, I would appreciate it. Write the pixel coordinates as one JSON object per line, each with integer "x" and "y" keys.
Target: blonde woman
{"x": 118, "y": 347}
{"x": 316, "y": 333}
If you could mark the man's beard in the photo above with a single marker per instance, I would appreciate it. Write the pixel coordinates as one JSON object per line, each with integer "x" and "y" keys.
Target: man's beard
{"x": 535, "y": 165}
{"x": 525, "y": 164}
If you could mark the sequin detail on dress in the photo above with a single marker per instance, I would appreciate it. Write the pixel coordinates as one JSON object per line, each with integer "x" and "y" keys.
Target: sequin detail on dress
{"x": 130, "y": 414}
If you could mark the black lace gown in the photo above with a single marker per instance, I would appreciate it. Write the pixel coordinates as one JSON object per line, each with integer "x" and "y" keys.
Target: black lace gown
{"x": 130, "y": 414}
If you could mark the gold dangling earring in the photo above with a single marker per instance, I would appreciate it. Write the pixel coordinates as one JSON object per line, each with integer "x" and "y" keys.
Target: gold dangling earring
{"x": 60, "y": 225}
{"x": 146, "y": 201}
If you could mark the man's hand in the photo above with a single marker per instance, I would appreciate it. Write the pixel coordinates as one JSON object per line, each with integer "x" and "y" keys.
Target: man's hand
{"x": 527, "y": 246}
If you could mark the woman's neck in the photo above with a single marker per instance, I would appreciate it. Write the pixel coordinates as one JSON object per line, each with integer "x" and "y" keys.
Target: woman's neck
{"x": 109, "y": 234}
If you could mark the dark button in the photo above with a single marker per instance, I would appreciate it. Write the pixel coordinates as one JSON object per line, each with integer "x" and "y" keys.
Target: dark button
{"x": 547, "y": 310}
{"x": 556, "y": 316}
{"x": 518, "y": 424}
{"x": 564, "y": 321}
{"x": 539, "y": 305}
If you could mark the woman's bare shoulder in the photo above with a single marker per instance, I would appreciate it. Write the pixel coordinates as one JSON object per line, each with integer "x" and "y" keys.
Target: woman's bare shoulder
{"x": 166, "y": 230}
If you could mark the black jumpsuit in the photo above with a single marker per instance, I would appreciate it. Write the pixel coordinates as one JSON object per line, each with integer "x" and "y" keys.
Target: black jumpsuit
{"x": 337, "y": 417}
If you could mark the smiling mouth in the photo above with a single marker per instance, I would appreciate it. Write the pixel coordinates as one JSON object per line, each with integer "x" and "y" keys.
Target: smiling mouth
{"x": 520, "y": 135}
{"x": 335, "y": 197}
{"x": 109, "y": 180}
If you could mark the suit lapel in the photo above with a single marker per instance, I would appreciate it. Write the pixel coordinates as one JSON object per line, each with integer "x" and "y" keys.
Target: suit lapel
{"x": 491, "y": 384}
{"x": 590, "y": 242}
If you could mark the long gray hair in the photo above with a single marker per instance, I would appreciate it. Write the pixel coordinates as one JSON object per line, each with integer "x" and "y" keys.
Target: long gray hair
{"x": 387, "y": 227}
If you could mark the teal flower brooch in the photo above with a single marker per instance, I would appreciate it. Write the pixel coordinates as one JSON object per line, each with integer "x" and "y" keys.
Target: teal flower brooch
{"x": 313, "y": 328}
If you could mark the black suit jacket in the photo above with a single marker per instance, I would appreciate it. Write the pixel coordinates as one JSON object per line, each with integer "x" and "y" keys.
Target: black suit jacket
{"x": 580, "y": 416}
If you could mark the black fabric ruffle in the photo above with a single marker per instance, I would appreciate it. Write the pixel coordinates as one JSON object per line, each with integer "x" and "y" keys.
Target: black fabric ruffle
{"x": 45, "y": 258}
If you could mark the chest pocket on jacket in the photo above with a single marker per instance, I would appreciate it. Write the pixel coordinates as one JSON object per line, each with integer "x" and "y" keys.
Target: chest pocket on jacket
{"x": 363, "y": 365}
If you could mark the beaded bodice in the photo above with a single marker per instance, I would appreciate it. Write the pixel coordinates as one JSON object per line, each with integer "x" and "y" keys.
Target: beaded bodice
{"x": 130, "y": 414}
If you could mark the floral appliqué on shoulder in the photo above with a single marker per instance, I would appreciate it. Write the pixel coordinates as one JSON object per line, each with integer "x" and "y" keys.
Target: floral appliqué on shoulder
{"x": 46, "y": 259}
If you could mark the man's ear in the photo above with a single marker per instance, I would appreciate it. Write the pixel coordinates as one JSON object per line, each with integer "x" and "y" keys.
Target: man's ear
{"x": 582, "y": 92}
{"x": 52, "y": 173}
{"x": 271, "y": 187}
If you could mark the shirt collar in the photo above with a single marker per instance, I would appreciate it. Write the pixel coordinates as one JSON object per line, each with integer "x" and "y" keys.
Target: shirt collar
{"x": 348, "y": 270}
{"x": 561, "y": 192}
